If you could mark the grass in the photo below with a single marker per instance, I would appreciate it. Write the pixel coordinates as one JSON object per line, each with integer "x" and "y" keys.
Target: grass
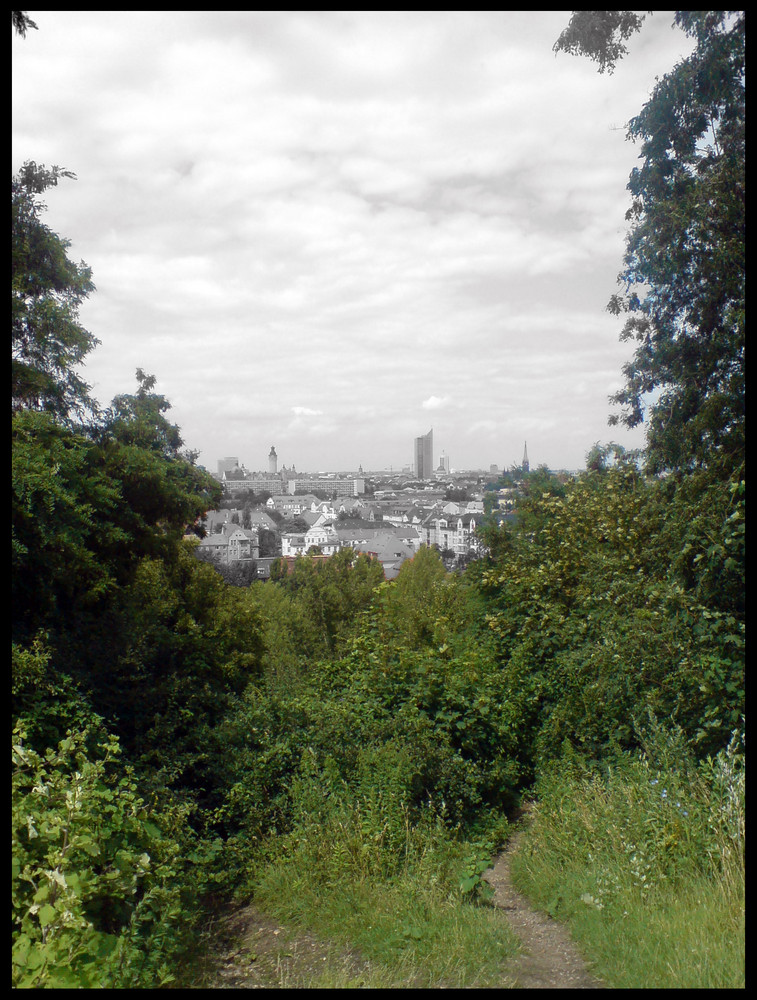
{"x": 406, "y": 936}
{"x": 645, "y": 862}
{"x": 413, "y": 928}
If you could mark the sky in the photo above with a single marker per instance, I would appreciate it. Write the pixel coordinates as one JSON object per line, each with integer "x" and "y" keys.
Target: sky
{"x": 330, "y": 231}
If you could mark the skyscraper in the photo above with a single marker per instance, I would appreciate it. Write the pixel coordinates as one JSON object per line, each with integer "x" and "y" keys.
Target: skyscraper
{"x": 424, "y": 455}
{"x": 272, "y": 462}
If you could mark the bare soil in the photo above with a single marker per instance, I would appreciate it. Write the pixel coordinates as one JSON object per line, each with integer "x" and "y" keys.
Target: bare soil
{"x": 549, "y": 960}
{"x": 255, "y": 952}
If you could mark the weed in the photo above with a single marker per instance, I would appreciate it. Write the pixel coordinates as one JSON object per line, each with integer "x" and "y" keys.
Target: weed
{"x": 646, "y": 860}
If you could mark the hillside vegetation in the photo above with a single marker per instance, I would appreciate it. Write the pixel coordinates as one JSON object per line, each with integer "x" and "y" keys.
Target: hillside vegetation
{"x": 344, "y": 751}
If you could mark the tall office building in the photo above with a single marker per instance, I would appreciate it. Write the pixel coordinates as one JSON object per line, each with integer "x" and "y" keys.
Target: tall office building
{"x": 424, "y": 455}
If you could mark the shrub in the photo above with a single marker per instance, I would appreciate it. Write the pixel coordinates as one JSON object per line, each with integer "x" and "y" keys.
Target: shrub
{"x": 96, "y": 876}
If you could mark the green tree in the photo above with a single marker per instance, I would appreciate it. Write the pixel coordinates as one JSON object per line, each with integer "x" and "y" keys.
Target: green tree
{"x": 331, "y": 594}
{"x": 47, "y": 340}
{"x": 69, "y": 545}
{"x": 618, "y": 596}
{"x": 599, "y": 34}
{"x": 162, "y": 491}
{"x": 684, "y": 266}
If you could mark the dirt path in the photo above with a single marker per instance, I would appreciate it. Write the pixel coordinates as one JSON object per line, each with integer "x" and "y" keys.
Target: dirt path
{"x": 550, "y": 959}
{"x": 255, "y": 952}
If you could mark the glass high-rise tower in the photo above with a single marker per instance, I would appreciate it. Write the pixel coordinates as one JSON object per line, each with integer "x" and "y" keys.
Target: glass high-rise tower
{"x": 424, "y": 455}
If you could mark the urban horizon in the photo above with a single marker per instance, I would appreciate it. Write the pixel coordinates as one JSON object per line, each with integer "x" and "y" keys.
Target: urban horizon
{"x": 439, "y": 469}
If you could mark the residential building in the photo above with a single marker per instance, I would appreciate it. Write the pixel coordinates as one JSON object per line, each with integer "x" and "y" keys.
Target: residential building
{"x": 456, "y": 532}
{"x": 299, "y": 543}
{"x": 231, "y": 544}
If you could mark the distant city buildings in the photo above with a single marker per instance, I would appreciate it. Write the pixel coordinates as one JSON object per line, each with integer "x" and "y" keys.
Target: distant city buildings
{"x": 424, "y": 455}
{"x": 238, "y": 479}
{"x": 235, "y": 478}
{"x": 227, "y": 465}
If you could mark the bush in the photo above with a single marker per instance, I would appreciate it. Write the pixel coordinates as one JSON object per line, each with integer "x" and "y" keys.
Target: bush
{"x": 96, "y": 875}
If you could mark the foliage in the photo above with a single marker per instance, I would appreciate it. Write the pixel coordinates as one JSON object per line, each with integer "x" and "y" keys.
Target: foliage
{"x": 595, "y": 625}
{"x": 684, "y": 267}
{"x": 599, "y": 34}
{"x": 96, "y": 891}
{"x": 475, "y": 864}
{"x": 237, "y": 572}
{"x": 47, "y": 288}
{"x": 21, "y": 22}
{"x": 644, "y": 856}
{"x": 84, "y": 510}
{"x": 331, "y": 593}
{"x": 66, "y": 536}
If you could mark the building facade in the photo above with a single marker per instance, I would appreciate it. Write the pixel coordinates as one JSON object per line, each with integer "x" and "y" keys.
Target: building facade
{"x": 453, "y": 532}
{"x": 424, "y": 455}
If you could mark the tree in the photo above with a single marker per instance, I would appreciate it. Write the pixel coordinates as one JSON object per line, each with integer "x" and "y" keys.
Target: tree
{"x": 684, "y": 266}
{"x": 599, "y": 34}
{"x": 47, "y": 340}
{"x": 330, "y": 594}
{"x": 21, "y": 22}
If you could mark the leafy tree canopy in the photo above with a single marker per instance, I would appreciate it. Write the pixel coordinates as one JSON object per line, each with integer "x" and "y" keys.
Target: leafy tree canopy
{"x": 599, "y": 34}
{"x": 684, "y": 266}
{"x": 48, "y": 341}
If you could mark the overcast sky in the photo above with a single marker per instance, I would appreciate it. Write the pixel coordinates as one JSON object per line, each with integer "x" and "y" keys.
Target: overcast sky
{"x": 330, "y": 231}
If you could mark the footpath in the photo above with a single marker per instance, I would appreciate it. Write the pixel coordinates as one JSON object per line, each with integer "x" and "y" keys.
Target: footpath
{"x": 258, "y": 953}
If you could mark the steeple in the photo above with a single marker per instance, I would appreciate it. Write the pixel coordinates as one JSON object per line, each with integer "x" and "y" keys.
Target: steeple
{"x": 525, "y": 465}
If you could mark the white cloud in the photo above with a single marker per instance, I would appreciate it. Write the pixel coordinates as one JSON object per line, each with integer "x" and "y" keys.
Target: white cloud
{"x": 435, "y": 402}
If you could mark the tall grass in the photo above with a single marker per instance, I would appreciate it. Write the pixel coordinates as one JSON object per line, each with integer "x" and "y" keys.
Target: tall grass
{"x": 363, "y": 870}
{"x": 645, "y": 859}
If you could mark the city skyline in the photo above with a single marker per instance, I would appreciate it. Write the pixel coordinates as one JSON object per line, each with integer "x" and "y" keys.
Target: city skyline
{"x": 330, "y": 228}
{"x": 424, "y": 442}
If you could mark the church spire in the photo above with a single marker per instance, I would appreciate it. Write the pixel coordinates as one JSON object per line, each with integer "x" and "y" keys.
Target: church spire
{"x": 525, "y": 465}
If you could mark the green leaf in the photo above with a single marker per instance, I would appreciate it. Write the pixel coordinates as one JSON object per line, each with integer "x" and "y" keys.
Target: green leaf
{"x": 46, "y": 914}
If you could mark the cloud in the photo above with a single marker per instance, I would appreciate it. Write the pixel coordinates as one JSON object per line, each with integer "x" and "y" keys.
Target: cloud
{"x": 435, "y": 402}
{"x": 304, "y": 411}
{"x": 354, "y": 205}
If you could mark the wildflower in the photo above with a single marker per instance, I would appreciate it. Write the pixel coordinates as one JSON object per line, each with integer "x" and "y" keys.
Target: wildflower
{"x": 655, "y": 782}
{"x": 664, "y": 793}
